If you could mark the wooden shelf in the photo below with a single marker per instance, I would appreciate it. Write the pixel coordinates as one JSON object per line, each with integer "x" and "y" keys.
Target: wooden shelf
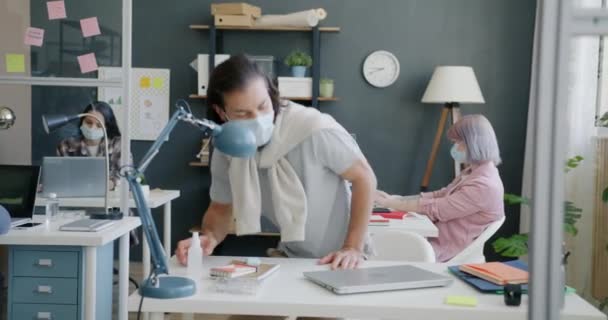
{"x": 198, "y": 164}
{"x": 261, "y": 28}
{"x": 196, "y": 96}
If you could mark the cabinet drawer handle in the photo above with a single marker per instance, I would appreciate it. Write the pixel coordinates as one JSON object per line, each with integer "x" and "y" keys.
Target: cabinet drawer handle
{"x": 45, "y": 263}
{"x": 45, "y": 289}
{"x": 44, "y": 316}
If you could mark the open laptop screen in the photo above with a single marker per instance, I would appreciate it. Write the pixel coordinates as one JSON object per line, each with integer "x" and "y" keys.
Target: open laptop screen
{"x": 18, "y": 185}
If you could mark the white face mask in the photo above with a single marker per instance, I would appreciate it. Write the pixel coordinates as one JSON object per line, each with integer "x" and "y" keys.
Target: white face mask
{"x": 95, "y": 134}
{"x": 262, "y": 127}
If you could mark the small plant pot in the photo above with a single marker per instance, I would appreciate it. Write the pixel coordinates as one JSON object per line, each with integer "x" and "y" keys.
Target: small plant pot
{"x": 298, "y": 71}
{"x": 326, "y": 89}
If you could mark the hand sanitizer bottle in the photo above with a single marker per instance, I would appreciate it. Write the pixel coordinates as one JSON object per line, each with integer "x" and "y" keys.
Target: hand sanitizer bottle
{"x": 51, "y": 210}
{"x": 195, "y": 258}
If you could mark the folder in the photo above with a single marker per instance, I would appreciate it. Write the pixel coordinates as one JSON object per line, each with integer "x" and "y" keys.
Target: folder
{"x": 496, "y": 272}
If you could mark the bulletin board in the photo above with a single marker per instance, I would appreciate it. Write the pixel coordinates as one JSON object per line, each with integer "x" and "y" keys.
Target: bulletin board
{"x": 149, "y": 105}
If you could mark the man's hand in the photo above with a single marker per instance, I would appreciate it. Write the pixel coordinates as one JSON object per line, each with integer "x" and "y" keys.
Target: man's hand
{"x": 208, "y": 243}
{"x": 345, "y": 258}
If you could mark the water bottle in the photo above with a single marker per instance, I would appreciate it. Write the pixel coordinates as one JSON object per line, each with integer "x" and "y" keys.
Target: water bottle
{"x": 195, "y": 258}
{"x": 52, "y": 209}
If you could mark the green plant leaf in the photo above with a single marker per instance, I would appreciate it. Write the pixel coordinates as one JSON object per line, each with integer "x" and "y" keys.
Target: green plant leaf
{"x": 515, "y": 246}
{"x": 605, "y": 195}
{"x": 512, "y": 199}
{"x": 570, "y": 228}
{"x": 603, "y": 304}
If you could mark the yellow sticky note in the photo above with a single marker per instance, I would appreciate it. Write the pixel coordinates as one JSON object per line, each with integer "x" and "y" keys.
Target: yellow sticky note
{"x": 144, "y": 82}
{"x": 464, "y": 301}
{"x": 157, "y": 83}
{"x": 15, "y": 63}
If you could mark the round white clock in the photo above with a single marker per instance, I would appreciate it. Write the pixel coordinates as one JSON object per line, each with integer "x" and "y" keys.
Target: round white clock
{"x": 381, "y": 68}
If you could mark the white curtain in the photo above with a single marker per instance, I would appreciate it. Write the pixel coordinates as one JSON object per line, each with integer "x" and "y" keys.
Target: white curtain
{"x": 582, "y": 94}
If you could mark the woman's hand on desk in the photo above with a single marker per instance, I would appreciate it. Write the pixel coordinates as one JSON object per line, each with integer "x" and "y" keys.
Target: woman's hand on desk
{"x": 345, "y": 258}
{"x": 208, "y": 243}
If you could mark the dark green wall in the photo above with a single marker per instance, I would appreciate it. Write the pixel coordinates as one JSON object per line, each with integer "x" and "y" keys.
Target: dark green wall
{"x": 394, "y": 130}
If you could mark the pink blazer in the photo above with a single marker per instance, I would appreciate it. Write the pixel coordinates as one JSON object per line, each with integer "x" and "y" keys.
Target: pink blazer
{"x": 462, "y": 210}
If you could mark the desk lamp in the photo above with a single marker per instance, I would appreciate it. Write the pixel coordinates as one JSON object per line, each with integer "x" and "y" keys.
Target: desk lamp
{"x": 53, "y": 122}
{"x": 229, "y": 138}
{"x": 450, "y": 85}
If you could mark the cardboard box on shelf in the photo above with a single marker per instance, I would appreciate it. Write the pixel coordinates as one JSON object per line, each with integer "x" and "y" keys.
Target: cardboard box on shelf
{"x": 292, "y": 87}
{"x": 235, "y": 8}
{"x": 233, "y": 20}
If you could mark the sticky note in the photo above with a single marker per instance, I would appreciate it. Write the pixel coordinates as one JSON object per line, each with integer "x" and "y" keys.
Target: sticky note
{"x": 87, "y": 62}
{"x": 56, "y": 10}
{"x": 144, "y": 82}
{"x": 15, "y": 63}
{"x": 90, "y": 27}
{"x": 157, "y": 83}
{"x": 34, "y": 37}
{"x": 464, "y": 301}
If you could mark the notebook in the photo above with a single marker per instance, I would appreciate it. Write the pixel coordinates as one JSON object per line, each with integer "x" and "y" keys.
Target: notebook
{"x": 496, "y": 272}
{"x": 231, "y": 271}
{"x": 486, "y": 286}
{"x": 264, "y": 270}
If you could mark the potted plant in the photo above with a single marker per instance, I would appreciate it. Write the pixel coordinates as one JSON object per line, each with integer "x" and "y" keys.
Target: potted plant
{"x": 517, "y": 245}
{"x": 326, "y": 87}
{"x": 299, "y": 62}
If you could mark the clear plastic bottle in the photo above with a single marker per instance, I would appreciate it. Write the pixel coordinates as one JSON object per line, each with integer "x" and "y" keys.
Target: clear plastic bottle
{"x": 195, "y": 258}
{"x": 52, "y": 209}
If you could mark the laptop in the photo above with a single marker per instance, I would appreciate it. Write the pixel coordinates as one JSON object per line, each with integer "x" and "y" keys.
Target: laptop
{"x": 74, "y": 177}
{"x": 18, "y": 186}
{"x": 377, "y": 279}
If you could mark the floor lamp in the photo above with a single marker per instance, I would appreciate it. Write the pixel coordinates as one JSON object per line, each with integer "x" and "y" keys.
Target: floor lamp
{"x": 450, "y": 86}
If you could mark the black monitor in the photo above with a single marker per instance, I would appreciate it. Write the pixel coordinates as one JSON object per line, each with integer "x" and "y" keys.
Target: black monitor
{"x": 18, "y": 186}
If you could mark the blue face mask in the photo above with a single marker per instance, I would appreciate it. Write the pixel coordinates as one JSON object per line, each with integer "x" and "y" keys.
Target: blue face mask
{"x": 89, "y": 133}
{"x": 458, "y": 155}
{"x": 262, "y": 127}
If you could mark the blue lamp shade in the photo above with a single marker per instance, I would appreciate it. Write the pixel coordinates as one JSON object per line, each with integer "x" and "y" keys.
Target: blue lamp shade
{"x": 52, "y": 122}
{"x": 5, "y": 220}
{"x": 235, "y": 140}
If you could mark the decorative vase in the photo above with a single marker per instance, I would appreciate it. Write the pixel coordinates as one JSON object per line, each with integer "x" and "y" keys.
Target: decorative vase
{"x": 326, "y": 88}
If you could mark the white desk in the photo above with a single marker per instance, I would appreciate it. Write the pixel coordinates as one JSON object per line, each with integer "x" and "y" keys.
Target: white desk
{"x": 420, "y": 224}
{"x": 157, "y": 198}
{"x": 287, "y": 293}
{"x": 90, "y": 241}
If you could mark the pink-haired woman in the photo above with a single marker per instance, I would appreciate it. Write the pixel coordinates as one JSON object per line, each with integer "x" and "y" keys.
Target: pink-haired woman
{"x": 462, "y": 210}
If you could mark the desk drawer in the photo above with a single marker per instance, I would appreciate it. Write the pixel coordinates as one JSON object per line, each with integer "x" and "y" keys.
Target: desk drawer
{"x": 33, "y": 263}
{"x": 45, "y": 290}
{"x": 44, "y": 312}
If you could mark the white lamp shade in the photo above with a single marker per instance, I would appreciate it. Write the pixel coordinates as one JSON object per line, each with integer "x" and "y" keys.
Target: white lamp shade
{"x": 453, "y": 84}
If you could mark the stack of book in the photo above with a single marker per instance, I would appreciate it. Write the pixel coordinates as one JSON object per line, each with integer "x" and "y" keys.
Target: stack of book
{"x": 496, "y": 272}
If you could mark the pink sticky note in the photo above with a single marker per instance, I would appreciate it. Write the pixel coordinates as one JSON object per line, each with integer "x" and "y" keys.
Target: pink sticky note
{"x": 87, "y": 62}
{"x": 90, "y": 27}
{"x": 56, "y": 10}
{"x": 34, "y": 37}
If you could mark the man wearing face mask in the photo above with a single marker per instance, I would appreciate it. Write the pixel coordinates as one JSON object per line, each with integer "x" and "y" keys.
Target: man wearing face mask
{"x": 462, "y": 210}
{"x": 298, "y": 179}
{"x": 90, "y": 143}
